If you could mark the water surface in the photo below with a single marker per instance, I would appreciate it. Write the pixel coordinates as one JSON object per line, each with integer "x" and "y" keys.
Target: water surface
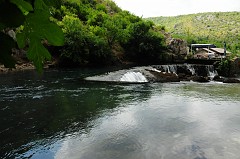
{"x": 57, "y": 115}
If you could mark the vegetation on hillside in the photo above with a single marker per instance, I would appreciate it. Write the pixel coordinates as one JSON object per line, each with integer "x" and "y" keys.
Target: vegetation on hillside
{"x": 205, "y": 28}
{"x": 97, "y": 32}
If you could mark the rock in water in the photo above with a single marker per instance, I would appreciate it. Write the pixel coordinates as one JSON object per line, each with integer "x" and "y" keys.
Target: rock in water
{"x": 231, "y": 80}
{"x": 164, "y": 76}
{"x": 199, "y": 79}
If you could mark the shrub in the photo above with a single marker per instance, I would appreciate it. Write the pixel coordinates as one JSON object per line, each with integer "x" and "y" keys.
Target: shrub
{"x": 224, "y": 67}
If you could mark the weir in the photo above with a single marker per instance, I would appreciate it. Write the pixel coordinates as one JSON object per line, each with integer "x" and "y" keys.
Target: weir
{"x": 144, "y": 74}
{"x": 191, "y": 69}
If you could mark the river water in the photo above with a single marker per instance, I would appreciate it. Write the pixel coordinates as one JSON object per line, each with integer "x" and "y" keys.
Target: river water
{"x": 57, "y": 115}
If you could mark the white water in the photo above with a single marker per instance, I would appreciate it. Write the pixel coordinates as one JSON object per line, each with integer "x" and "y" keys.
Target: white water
{"x": 191, "y": 69}
{"x": 173, "y": 69}
{"x": 170, "y": 68}
{"x": 211, "y": 71}
{"x": 133, "y": 77}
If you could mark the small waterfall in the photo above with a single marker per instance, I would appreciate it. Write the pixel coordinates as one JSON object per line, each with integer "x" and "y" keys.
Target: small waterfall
{"x": 133, "y": 77}
{"x": 170, "y": 68}
{"x": 211, "y": 71}
{"x": 191, "y": 69}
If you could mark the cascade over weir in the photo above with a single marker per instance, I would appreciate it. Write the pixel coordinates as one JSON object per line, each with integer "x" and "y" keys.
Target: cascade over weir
{"x": 159, "y": 73}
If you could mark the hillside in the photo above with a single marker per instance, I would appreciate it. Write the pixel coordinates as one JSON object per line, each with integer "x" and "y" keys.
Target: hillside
{"x": 98, "y": 33}
{"x": 76, "y": 33}
{"x": 214, "y": 28}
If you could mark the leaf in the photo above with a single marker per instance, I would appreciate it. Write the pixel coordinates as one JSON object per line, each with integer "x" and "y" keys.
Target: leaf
{"x": 40, "y": 4}
{"x": 21, "y": 40}
{"x": 37, "y": 53}
{"x": 39, "y": 17}
{"x": 53, "y": 33}
{"x": 44, "y": 29}
{"x": 10, "y": 15}
{"x": 55, "y": 3}
{"x": 6, "y": 45}
{"x": 37, "y": 28}
{"x": 23, "y": 5}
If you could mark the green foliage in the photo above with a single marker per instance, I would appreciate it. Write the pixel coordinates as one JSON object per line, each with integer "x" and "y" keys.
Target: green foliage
{"x": 36, "y": 28}
{"x": 75, "y": 39}
{"x": 224, "y": 67}
{"x": 24, "y": 6}
{"x": 96, "y": 32}
{"x": 94, "y": 29}
{"x": 205, "y": 28}
{"x": 37, "y": 53}
{"x": 115, "y": 32}
{"x": 144, "y": 44}
{"x": 82, "y": 47}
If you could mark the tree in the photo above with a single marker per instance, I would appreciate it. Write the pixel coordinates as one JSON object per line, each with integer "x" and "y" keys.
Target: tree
{"x": 34, "y": 17}
{"x": 144, "y": 44}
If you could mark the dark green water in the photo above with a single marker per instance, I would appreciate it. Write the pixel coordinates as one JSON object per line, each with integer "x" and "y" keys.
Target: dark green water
{"x": 59, "y": 116}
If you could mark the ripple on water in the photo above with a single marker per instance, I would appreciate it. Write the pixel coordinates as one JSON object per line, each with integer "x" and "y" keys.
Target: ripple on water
{"x": 37, "y": 97}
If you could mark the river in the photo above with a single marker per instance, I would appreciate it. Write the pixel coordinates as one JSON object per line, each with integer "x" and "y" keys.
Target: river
{"x": 57, "y": 115}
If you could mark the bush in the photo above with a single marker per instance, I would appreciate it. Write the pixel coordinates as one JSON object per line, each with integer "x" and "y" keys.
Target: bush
{"x": 224, "y": 67}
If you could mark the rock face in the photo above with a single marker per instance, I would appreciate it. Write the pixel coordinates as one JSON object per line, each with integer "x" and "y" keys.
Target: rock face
{"x": 179, "y": 49}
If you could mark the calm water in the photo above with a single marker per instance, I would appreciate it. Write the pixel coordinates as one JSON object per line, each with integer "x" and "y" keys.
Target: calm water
{"x": 59, "y": 116}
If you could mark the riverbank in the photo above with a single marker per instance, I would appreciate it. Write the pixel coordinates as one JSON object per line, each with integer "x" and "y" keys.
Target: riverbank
{"x": 19, "y": 67}
{"x": 22, "y": 67}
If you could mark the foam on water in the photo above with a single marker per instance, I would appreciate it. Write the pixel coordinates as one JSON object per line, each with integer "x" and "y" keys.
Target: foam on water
{"x": 133, "y": 77}
{"x": 211, "y": 71}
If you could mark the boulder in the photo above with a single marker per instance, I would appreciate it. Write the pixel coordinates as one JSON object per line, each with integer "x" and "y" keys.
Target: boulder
{"x": 183, "y": 69}
{"x": 200, "y": 79}
{"x": 201, "y": 70}
{"x": 184, "y": 77}
{"x": 231, "y": 80}
{"x": 163, "y": 76}
{"x": 217, "y": 78}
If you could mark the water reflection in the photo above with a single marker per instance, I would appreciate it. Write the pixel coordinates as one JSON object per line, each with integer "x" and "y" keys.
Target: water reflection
{"x": 38, "y": 112}
{"x": 188, "y": 129}
{"x": 59, "y": 116}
